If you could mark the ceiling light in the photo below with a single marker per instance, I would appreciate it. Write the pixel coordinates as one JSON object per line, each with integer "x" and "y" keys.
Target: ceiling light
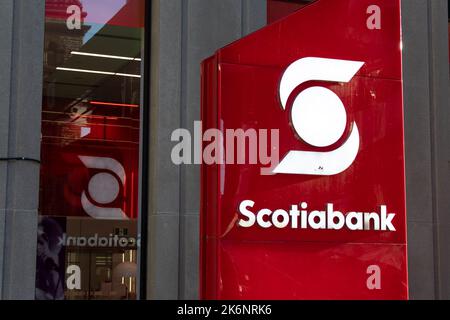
{"x": 100, "y": 103}
{"x": 85, "y": 71}
{"x": 99, "y": 72}
{"x": 107, "y": 56}
{"x": 128, "y": 75}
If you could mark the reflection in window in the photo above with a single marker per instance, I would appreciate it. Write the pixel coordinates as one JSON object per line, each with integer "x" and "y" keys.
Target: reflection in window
{"x": 88, "y": 239}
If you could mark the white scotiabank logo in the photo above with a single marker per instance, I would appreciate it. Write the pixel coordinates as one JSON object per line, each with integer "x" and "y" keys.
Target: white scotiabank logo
{"x": 299, "y": 217}
{"x": 319, "y": 117}
{"x": 103, "y": 188}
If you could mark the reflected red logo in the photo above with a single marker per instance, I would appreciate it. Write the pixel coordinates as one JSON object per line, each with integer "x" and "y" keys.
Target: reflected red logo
{"x": 103, "y": 188}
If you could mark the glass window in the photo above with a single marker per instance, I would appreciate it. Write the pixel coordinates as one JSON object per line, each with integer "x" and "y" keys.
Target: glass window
{"x": 88, "y": 228}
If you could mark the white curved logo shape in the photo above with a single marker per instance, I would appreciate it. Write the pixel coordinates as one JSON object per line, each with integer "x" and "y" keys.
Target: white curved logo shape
{"x": 103, "y": 188}
{"x": 319, "y": 117}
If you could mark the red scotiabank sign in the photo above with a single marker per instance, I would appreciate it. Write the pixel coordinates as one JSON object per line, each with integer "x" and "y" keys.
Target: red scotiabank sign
{"x": 330, "y": 221}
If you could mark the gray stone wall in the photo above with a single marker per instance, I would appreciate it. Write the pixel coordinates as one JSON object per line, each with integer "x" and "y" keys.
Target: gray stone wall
{"x": 21, "y": 56}
{"x": 426, "y": 85}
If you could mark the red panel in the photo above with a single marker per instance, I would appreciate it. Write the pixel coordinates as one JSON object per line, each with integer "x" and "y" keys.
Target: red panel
{"x": 332, "y": 29}
{"x": 241, "y": 90}
{"x": 64, "y": 177}
{"x": 309, "y": 271}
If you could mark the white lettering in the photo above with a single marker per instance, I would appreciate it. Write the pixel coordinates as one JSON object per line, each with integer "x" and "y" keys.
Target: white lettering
{"x": 261, "y": 220}
{"x": 317, "y": 220}
{"x": 332, "y": 216}
{"x": 330, "y": 219}
{"x": 354, "y": 221}
{"x": 251, "y": 219}
{"x": 285, "y": 219}
{"x": 386, "y": 220}
{"x": 295, "y": 214}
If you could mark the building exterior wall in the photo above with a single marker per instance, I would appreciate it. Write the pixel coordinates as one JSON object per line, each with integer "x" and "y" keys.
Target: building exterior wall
{"x": 21, "y": 56}
{"x": 426, "y": 84}
{"x": 183, "y": 34}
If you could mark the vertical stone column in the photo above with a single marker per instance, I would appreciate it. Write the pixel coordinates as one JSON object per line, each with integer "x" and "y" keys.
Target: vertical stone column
{"x": 21, "y": 56}
{"x": 426, "y": 89}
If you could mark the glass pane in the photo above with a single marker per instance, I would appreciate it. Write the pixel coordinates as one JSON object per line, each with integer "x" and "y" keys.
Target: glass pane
{"x": 88, "y": 240}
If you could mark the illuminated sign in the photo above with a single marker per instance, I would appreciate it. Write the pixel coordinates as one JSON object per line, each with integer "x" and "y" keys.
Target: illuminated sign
{"x": 329, "y": 221}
